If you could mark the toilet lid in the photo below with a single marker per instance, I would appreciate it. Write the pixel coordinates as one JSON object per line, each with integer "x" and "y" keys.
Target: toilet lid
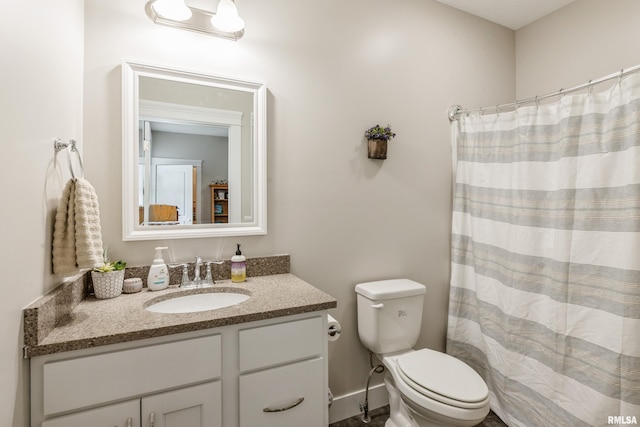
{"x": 442, "y": 377}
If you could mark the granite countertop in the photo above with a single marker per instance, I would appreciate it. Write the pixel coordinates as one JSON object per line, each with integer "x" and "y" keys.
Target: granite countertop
{"x": 93, "y": 322}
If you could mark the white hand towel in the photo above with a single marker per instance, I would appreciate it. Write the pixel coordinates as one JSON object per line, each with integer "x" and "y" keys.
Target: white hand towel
{"x": 64, "y": 240}
{"x": 77, "y": 237}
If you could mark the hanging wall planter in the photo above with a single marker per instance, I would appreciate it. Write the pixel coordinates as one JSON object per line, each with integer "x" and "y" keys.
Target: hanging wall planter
{"x": 377, "y": 148}
{"x": 377, "y": 139}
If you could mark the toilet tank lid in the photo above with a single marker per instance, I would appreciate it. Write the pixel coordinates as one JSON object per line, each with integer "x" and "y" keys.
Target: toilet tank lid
{"x": 389, "y": 289}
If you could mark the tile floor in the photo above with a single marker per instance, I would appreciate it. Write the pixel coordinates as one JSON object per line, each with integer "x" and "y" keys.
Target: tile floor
{"x": 379, "y": 417}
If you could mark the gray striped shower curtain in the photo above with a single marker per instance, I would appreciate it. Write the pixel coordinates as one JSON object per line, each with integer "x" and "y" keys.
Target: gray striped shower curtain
{"x": 545, "y": 279}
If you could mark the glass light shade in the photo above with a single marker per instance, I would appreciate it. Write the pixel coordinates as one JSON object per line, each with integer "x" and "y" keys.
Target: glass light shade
{"x": 176, "y": 10}
{"x": 226, "y": 18}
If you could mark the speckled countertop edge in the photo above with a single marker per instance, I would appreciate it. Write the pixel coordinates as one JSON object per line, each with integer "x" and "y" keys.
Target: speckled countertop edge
{"x": 91, "y": 322}
{"x": 51, "y": 310}
{"x": 100, "y": 322}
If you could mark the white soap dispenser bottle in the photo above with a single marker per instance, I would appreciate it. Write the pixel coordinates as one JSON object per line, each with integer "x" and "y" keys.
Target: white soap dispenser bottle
{"x": 158, "y": 277}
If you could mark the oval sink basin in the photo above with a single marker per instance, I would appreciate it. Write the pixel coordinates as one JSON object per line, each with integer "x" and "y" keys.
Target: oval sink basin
{"x": 198, "y": 302}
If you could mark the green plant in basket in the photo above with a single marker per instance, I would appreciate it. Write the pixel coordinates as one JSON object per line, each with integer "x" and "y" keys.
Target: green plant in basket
{"x": 110, "y": 266}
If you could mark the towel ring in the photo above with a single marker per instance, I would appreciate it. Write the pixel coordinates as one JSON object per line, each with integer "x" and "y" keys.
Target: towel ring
{"x": 58, "y": 145}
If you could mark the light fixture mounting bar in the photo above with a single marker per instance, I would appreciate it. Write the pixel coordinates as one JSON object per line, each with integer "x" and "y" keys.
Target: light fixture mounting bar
{"x": 200, "y": 22}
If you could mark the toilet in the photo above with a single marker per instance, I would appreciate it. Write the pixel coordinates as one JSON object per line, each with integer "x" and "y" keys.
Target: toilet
{"x": 426, "y": 388}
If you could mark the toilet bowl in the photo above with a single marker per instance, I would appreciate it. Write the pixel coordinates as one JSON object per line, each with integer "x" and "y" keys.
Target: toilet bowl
{"x": 426, "y": 388}
{"x": 437, "y": 389}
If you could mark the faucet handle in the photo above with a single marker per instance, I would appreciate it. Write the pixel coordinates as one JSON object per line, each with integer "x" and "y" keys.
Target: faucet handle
{"x": 185, "y": 273}
{"x": 175, "y": 265}
{"x": 209, "y": 278}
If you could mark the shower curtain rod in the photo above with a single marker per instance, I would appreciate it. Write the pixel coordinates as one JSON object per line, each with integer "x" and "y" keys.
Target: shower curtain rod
{"x": 456, "y": 110}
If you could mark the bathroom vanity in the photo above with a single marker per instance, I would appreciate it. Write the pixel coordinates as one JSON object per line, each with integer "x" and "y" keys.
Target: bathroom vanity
{"x": 259, "y": 363}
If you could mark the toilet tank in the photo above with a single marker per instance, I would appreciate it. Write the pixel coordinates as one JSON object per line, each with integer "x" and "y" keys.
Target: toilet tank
{"x": 390, "y": 314}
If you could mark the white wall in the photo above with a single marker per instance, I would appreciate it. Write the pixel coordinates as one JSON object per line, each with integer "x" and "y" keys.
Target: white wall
{"x": 583, "y": 41}
{"x": 41, "y": 98}
{"x": 333, "y": 69}
{"x": 342, "y": 217}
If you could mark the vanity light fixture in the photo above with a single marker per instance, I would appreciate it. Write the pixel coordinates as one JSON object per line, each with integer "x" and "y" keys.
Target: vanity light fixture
{"x": 176, "y": 10}
{"x": 224, "y": 23}
{"x": 226, "y": 18}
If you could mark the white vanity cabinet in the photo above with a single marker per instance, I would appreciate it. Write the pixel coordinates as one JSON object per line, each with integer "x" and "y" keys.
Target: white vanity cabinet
{"x": 265, "y": 373}
{"x": 282, "y": 381}
{"x": 73, "y": 383}
{"x": 199, "y": 405}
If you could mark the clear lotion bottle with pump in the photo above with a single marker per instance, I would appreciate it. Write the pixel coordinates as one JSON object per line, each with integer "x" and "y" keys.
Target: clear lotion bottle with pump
{"x": 238, "y": 267}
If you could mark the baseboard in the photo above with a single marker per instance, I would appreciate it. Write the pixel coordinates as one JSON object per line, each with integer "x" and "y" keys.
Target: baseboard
{"x": 348, "y": 405}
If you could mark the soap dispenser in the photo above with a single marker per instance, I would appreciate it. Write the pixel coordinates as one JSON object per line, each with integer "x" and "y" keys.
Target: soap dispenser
{"x": 158, "y": 278}
{"x": 238, "y": 267}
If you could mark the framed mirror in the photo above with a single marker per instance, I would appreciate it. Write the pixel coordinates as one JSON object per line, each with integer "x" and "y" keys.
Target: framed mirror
{"x": 193, "y": 154}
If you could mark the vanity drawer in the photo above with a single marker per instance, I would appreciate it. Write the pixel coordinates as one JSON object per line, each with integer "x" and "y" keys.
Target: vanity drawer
{"x": 290, "y": 395}
{"x": 281, "y": 343}
{"x": 93, "y": 380}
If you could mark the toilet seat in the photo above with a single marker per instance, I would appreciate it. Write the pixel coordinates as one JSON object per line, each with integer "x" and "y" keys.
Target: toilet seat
{"x": 443, "y": 378}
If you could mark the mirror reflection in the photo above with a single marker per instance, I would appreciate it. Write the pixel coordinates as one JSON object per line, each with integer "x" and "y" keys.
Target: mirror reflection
{"x": 198, "y": 149}
{"x": 180, "y": 159}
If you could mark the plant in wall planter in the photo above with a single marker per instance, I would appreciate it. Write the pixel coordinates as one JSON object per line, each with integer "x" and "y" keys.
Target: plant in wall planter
{"x": 377, "y": 138}
{"x": 108, "y": 279}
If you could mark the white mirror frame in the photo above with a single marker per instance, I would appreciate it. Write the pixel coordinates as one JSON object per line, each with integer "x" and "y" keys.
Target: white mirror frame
{"x": 131, "y": 230}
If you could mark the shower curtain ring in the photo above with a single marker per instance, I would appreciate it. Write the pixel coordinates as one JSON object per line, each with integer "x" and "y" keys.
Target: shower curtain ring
{"x": 620, "y": 76}
{"x": 537, "y": 102}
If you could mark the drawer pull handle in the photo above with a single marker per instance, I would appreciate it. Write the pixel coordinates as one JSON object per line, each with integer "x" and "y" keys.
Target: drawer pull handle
{"x": 152, "y": 419}
{"x": 285, "y": 408}
{"x": 129, "y": 422}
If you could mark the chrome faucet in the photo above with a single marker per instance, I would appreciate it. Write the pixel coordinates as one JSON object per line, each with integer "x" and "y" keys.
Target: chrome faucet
{"x": 198, "y": 281}
{"x": 196, "y": 276}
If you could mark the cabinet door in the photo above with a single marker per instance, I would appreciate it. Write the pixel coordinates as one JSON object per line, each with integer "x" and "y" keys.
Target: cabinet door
{"x": 290, "y": 395}
{"x": 119, "y": 375}
{"x": 196, "y": 406}
{"x": 126, "y": 414}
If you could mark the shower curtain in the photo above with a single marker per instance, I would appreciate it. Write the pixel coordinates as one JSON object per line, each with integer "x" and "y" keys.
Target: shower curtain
{"x": 545, "y": 280}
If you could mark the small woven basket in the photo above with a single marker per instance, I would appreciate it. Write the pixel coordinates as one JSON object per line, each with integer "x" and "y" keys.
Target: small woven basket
{"x": 107, "y": 285}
